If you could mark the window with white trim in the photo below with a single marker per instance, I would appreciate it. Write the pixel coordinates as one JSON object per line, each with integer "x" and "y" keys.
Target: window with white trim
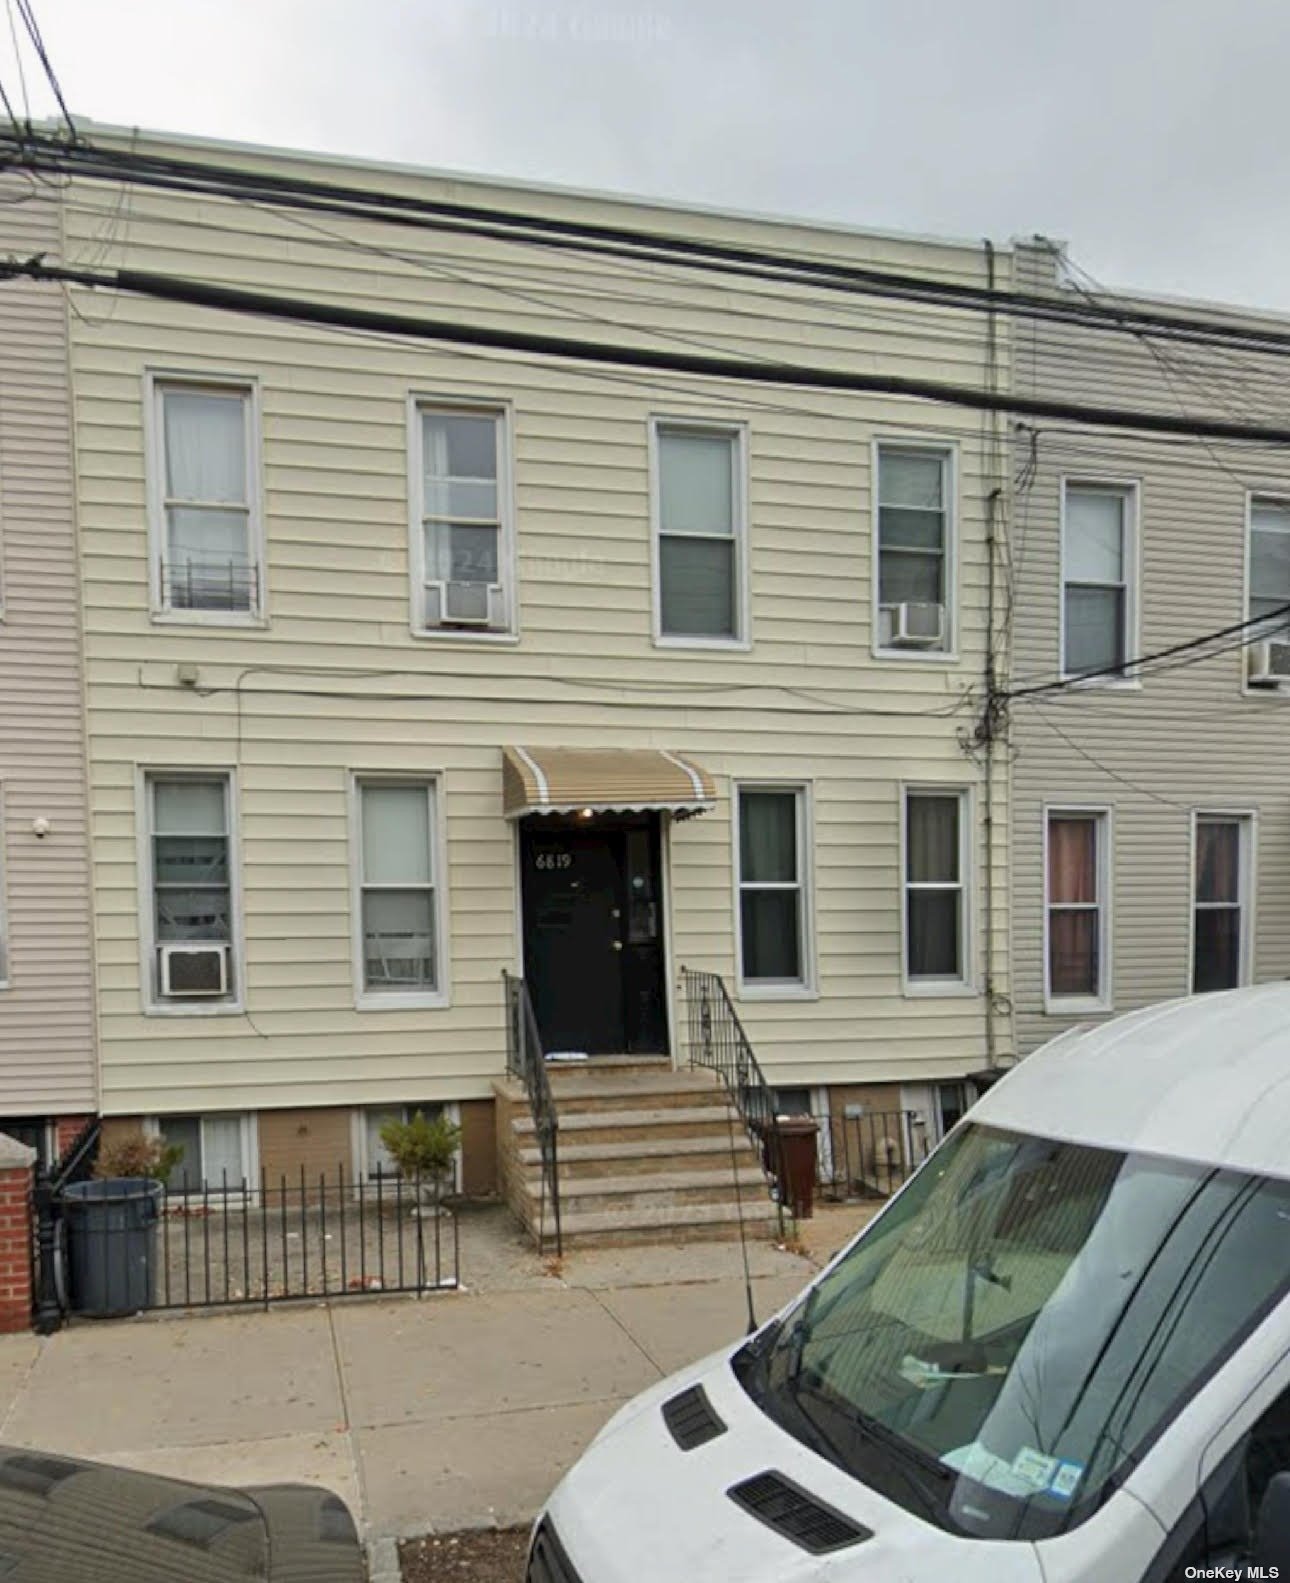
{"x": 914, "y": 526}
{"x": 700, "y": 532}
{"x": 936, "y": 889}
{"x": 1220, "y": 902}
{"x": 1077, "y": 883}
{"x": 399, "y": 902}
{"x": 216, "y": 1153}
{"x": 1269, "y": 562}
{"x": 190, "y": 926}
{"x": 376, "y": 1157}
{"x": 772, "y": 870}
{"x": 462, "y": 549}
{"x": 206, "y": 532}
{"x": 1098, "y": 557}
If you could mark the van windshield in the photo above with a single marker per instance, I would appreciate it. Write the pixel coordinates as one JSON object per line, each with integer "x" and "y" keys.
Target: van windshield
{"x": 1007, "y": 1340}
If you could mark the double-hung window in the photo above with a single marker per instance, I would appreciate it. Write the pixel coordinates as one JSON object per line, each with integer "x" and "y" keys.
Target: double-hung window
{"x": 700, "y": 532}
{"x": 1270, "y": 563}
{"x": 216, "y": 1154}
{"x": 1098, "y": 559}
{"x": 914, "y": 549}
{"x": 376, "y": 1158}
{"x": 1220, "y": 902}
{"x": 936, "y": 890}
{"x": 461, "y": 550}
{"x": 1077, "y": 966}
{"x": 207, "y": 539}
{"x": 399, "y": 901}
{"x": 191, "y": 926}
{"x": 772, "y": 880}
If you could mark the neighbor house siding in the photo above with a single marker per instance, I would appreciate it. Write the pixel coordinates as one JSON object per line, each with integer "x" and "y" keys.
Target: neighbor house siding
{"x": 1193, "y": 740}
{"x": 46, "y": 1008}
{"x": 350, "y": 690}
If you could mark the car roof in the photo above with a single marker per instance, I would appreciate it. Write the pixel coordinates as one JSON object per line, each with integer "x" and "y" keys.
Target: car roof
{"x": 1204, "y": 1079}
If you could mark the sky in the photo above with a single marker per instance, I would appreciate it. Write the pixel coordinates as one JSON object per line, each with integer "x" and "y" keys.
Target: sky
{"x": 1149, "y": 135}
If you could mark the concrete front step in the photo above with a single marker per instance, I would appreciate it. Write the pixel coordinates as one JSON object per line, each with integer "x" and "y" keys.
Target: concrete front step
{"x": 660, "y": 1090}
{"x": 621, "y": 1126}
{"x": 670, "y": 1223}
{"x": 641, "y": 1192}
{"x": 642, "y": 1156}
{"x": 594, "y": 1065}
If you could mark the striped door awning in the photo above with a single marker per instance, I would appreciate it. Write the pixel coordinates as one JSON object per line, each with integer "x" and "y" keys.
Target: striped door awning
{"x": 604, "y": 780}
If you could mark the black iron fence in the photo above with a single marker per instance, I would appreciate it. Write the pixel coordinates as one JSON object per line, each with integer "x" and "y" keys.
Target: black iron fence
{"x": 716, "y": 1040}
{"x": 526, "y": 1062}
{"x": 870, "y": 1154}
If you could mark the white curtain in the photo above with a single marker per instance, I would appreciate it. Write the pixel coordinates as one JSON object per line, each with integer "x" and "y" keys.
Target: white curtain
{"x": 205, "y": 436}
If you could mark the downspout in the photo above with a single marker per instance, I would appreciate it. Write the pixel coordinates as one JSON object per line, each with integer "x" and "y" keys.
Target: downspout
{"x": 991, "y": 679}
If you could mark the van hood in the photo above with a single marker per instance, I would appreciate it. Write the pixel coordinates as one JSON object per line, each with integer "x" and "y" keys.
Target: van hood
{"x": 639, "y": 1507}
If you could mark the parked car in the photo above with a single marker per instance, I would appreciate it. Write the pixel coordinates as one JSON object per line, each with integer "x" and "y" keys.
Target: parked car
{"x": 1061, "y": 1354}
{"x": 64, "y": 1520}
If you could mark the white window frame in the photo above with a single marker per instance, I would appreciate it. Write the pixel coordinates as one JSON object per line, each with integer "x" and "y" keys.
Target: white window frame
{"x": 507, "y": 557}
{"x": 1104, "y": 815}
{"x": 1247, "y": 818}
{"x": 1131, "y": 489}
{"x": 805, "y": 987}
{"x": 155, "y": 1004}
{"x": 358, "y": 1135}
{"x": 964, "y": 983}
{"x": 156, "y": 383}
{"x": 390, "y": 1000}
{"x": 1271, "y": 497}
{"x": 948, "y": 453}
{"x": 154, "y": 1127}
{"x": 659, "y": 425}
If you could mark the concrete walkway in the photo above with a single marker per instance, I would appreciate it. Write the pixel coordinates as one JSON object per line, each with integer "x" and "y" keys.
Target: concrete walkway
{"x": 457, "y": 1410}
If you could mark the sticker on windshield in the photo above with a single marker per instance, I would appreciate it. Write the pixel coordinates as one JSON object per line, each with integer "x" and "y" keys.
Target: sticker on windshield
{"x": 1065, "y": 1480}
{"x": 1033, "y": 1468}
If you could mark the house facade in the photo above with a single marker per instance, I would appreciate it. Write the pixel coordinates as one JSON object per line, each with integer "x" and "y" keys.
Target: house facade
{"x": 407, "y": 665}
{"x": 47, "y": 1063}
{"x": 1151, "y": 805}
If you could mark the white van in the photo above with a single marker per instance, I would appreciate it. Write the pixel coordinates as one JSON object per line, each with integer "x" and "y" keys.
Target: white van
{"x": 1060, "y": 1355}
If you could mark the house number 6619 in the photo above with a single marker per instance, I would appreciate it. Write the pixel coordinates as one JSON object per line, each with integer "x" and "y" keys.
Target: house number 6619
{"x": 554, "y": 860}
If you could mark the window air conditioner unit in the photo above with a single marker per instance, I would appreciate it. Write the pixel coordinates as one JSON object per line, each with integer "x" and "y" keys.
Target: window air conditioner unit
{"x": 457, "y": 604}
{"x": 1270, "y": 663}
{"x": 911, "y": 626}
{"x": 194, "y": 969}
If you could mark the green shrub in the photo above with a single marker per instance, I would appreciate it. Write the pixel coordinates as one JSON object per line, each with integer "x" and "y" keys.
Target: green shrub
{"x": 423, "y": 1148}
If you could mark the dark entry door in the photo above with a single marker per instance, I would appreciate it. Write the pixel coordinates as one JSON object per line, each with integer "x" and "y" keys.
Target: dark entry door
{"x": 593, "y": 953}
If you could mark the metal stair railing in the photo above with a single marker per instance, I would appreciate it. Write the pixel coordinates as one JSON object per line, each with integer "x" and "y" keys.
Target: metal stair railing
{"x": 526, "y": 1062}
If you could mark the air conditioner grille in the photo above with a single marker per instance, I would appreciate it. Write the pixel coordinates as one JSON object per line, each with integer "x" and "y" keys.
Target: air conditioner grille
{"x": 691, "y": 1419}
{"x": 796, "y": 1514}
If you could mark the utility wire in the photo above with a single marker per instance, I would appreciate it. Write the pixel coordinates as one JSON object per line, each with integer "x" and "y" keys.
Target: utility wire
{"x": 33, "y": 29}
{"x": 22, "y": 76}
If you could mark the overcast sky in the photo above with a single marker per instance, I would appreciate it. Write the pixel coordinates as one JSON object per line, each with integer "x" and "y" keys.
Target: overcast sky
{"x": 1149, "y": 134}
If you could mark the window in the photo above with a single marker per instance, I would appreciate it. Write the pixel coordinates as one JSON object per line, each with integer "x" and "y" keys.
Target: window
{"x": 914, "y": 570}
{"x": 772, "y": 887}
{"x": 936, "y": 916}
{"x": 461, "y": 547}
{"x": 189, "y": 932}
{"x": 1077, "y": 966}
{"x": 399, "y": 901}
{"x": 1097, "y": 578}
{"x": 1269, "y": 560}
{"x": 1220, "y": 908}
{"x": 4, "y": 915}
{"x": 699, "y": 525}
{"x": 375, "y": 1157}
{"x": 216, "y": 1152}
{"x": 206, "y": 529}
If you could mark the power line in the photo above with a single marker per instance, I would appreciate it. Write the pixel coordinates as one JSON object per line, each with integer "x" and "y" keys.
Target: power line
{"x": 307, "y": 311}
{"x": 33, "y": 29}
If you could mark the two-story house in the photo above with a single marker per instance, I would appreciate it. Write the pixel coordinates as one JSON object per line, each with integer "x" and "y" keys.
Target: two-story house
{"x": 47, "y": 1063}
{"x": 407, "y": 664}
{"x": 1151, "y": 811}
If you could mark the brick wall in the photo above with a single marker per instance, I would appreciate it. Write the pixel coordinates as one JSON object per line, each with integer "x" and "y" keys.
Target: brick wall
{"x": 66, "y": 1129}
{"x": 478, "y": 1148}
{"x": 16, "y": 1271}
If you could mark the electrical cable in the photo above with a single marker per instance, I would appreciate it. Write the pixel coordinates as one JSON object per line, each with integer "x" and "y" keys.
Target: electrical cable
{"x": 28, "y": 15}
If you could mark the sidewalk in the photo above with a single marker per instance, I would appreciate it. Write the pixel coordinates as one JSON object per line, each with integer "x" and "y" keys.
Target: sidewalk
{"x": 458, "y": 1410}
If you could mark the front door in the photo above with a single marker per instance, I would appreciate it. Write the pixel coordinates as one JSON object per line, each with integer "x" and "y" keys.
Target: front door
{"x": 593, "y": 941}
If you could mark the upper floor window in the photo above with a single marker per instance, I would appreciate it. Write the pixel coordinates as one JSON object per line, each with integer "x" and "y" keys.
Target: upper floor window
{"x": 207, "y": 543}
{"x": 936, "y": 890}
{"x": 1098, "y": 557}
{"x": 915, "y": 572}
{"x": 771, "y": 881}
{"x": 189, "y": 929}
{"x": 700, "y": 532}
{"x": 1076, "y": 927}
{"x": 1270, "y": 560}
{"x": 1220, "y": 902}
{"x": 461, "y": 550}
{"x": 399, "y": 901}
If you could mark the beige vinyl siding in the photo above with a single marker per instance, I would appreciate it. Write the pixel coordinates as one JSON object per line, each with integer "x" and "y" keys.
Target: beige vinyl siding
{"x": 1191, "y": 741}
{"x": 46, "y": 1012}
{"x": 808, "y": 701}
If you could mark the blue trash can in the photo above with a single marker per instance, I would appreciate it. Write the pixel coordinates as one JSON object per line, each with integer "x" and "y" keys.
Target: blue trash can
{"x": 112, "y": 1245}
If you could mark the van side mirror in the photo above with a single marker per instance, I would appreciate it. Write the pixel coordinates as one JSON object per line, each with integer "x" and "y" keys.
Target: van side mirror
{"x": 1272, "y": 1526}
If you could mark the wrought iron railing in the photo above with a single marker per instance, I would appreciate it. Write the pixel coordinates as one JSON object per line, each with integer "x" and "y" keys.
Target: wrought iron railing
{"x": 717, "y": 1041}
{"x": 869, "y": 1154}
{"x": 526, "y": 1062}
{"x": 73, "y": 1165}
